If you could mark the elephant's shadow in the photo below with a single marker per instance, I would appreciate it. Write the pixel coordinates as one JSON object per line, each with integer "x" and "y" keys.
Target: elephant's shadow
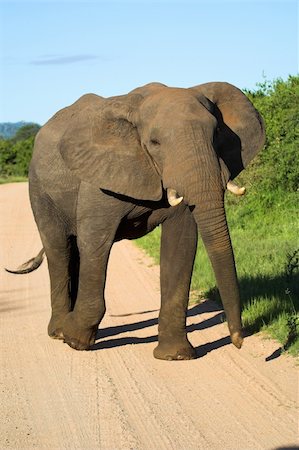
{"x": 197, "y": 310}
{"x": 250, "y": 287}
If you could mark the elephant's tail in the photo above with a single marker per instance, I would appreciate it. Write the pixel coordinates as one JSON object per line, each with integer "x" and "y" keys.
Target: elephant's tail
{"x": 29, "y": 266}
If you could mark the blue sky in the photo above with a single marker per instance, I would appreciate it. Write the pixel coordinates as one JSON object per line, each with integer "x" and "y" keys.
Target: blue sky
{"x": 53, "y": 52}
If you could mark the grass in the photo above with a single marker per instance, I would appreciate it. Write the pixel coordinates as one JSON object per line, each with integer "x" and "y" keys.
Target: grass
{"x": 12, "y": 179}
{"x": 264, "y": 233}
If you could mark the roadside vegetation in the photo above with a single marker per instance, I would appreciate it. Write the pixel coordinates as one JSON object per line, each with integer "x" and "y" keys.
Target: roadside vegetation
{"x": 263, "y": 223}
{"x": 15, "y": 153}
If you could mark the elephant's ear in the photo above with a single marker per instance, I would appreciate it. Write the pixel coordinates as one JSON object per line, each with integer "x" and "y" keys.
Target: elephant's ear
{"x": 240, "y": 133}
{"x": 102, "y": 146}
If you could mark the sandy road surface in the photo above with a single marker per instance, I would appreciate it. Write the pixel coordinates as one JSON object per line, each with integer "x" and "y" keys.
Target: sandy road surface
{"x": 118, "y": 396}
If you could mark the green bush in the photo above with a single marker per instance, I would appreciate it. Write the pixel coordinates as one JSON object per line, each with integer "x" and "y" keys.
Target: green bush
{"x": 277, "y": 166}
{"x": 15, "y": 153}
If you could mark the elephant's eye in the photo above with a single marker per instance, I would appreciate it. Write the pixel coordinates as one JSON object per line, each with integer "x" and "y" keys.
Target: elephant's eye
{"x": 154, "y": 142}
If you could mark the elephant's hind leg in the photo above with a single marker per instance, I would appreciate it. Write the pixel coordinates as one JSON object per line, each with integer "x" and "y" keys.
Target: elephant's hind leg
{"x": 58, "y": 248}
{"x": 63, "y": 286}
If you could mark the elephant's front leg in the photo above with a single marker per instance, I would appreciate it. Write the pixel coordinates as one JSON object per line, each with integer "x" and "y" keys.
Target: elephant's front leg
{"x": 178, "y": 249}
{"x": 81, "y": 324}
{"x": 98, "y": 217}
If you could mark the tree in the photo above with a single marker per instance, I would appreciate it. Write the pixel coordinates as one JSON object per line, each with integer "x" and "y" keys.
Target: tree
{"x": 15, "y": 157}
{"x": 277, "y": 166}
{"x": 26, "y": 131}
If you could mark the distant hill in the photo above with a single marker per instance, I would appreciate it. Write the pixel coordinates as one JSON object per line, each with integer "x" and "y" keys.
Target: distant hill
{"x": 9, "y": 129}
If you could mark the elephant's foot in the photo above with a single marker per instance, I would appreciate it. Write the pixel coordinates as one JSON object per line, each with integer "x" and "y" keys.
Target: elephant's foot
{"x": 56, "y": 334}
{"x": 173, "y": 350}
{"x": 237, "y": 338}
{"x": 77, "y": 337}
{"x": 55, "y": 329}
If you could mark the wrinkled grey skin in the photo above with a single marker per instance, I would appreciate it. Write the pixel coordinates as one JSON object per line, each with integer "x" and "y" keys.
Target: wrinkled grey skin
{"x": 99, "y": 174}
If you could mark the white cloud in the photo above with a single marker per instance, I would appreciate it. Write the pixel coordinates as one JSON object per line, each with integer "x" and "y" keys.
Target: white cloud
{"x": 58, "y": 60}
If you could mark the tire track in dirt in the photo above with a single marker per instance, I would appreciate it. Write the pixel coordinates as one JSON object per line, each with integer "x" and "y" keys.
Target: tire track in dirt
{"x": 118, "y": 396}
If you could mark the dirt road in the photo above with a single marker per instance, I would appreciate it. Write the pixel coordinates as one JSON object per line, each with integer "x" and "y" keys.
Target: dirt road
{"x": 118, "y": 396}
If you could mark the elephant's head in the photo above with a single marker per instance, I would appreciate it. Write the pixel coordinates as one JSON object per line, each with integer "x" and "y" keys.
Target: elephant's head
{"x": 190, "y": 141}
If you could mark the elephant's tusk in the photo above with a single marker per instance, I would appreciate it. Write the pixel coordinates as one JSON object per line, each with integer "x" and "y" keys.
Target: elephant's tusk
{"x": 173, "y": 198}
{"x": 232, "y": 187}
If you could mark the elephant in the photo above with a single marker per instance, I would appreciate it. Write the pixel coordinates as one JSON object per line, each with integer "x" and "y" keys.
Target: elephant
{"x": 107, "y": 169}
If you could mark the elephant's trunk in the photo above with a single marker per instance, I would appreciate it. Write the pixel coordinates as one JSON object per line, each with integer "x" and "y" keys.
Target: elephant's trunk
{"x": 213, "y": 228}
{"x": 205, "y": 195}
